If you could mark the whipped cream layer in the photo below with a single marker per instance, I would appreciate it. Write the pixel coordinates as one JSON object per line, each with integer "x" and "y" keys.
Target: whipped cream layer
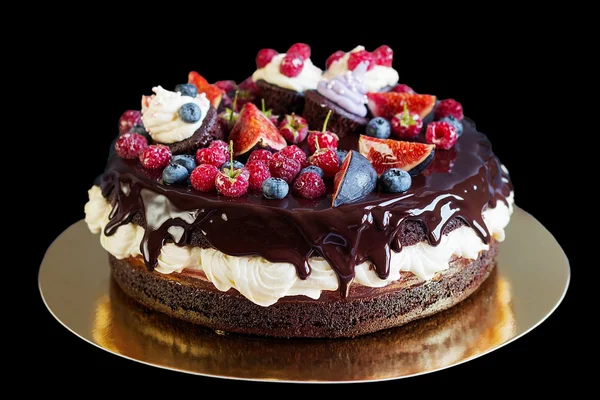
{"x": 348, "y": 90}
{"x": 264, "y": 282}
{"x": 375, "y": 79}
{"x": 307, "y": 79}
{"x": 161, "y": 115}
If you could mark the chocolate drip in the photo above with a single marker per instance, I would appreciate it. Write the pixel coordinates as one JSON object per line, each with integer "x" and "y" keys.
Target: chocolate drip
{"x": 460, "y": 183}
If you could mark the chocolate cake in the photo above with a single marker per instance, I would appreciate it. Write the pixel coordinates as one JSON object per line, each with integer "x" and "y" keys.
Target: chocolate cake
{"x": 341, "y": 121}
{"x": 281, "y": 100}
{"x": 397, "y": 231}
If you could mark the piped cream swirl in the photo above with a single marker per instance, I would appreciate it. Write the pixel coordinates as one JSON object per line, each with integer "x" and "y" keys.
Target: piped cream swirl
{"x": 347, "y": 90}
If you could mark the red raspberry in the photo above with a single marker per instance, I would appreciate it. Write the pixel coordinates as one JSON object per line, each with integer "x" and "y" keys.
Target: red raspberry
{"x": 211, "y": 155}
{"x": 234, "y": 185}
{"x": 130, "y": 145}
{"x": 402, "y": 88}
{"x": 327, "y": 160}
{"x": 291, "y": 65}
{"x": 294, "y": 152}
{"x": 301, "y": 49}
{"x": 226, "y": 86}
{"x": 448, "y": 107}
{"x": 327, "y": 140}
{"x": 334, "y": 57}
{"x": 383, "y": 55}
{"x": 406, "y": 125}
{"x": 284, "y": 167}
{"x": 260, "y": 155}
{"x": 309, "y": 185}
{"x": 221, "y": 145}
{"x": 259, "y": 171}
{"x": 264, "y": 57}
{"x": 155, "y": 157}
{"x": 442, "y": 134}
{"x": 203, "y": 177}
{"x": 129, "y": 119}
{"x": 359, "y": 57}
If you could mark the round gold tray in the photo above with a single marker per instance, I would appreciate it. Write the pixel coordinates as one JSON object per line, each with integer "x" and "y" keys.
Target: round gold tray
{"x": 529, "y": 283}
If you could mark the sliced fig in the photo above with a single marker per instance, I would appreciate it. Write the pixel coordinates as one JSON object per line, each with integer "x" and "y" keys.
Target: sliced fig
{"x": 355, "y": 179}
{"x": 388, "y": 104}
{"x": 253, "y": 130}
{"x": 384, "y": 154}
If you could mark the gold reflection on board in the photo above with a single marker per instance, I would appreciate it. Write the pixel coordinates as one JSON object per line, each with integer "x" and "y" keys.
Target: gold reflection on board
{"x": 478, "y": 324}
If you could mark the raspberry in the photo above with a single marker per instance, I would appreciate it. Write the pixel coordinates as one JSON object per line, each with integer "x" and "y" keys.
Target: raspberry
{"x": 309, "y": 185}
{"x": 291, "y": 65}
{"x": 448, "y": 107}
{"x": 203, "y": 177}
{"x": 264, "y": 57}
{"x": 294, "y": 152}
{"x": 327, "y": 160}
{"x": 359, "y": 57}
{"x": 211, "y": 155}
{"x": 284, "y": 167}
{"x": 383, "y": 55}
{"x": 221, "y": 145}
{"x": 301, "y": 49}
{"x": 260, "y": 155}
{"x": 155, "y": 157}
{"x": 259, "y": 171}
{"x": 442, "y": 134}
{"x": 129, "y": 119}
{"x": 402, "y": 88}
{"x": 226, "y": 86}
{"x": 334, "y": 57}
{"x": 130, "y": 145}
{"x": 234, "y": 184}
{"x": 326, "y": 140}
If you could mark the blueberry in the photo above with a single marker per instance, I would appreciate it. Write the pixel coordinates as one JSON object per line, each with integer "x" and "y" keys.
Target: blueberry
{"x": 187, "y": 89}
{"x": 341, "y": 154}
{"x": 455, "y": 123}
{"x": 313, "y": 168}
{"x": 379, "y": 128}
{"x": 395, "y": 180}
{"x": 190, "y": 113}
{"x": 141, "y": 130}
{"x": 275, "y": 188}
{"x": 236, "y": 165}
{"x": 174, "y": 173}
{"x": 186, "y": 160}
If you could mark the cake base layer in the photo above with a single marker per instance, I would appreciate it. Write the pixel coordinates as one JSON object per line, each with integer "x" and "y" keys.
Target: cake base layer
{"x": 198, "y": 301}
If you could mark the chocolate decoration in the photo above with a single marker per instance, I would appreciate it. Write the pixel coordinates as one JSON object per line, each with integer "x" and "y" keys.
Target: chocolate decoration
{"x": 460, "y": 183}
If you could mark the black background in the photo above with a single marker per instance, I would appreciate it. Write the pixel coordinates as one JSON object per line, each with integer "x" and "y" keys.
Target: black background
{"x": 505, "y": 83}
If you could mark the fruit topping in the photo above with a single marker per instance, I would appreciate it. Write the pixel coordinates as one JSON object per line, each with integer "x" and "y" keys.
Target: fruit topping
{"x": 313, "y": 168}
{"x": 284, "y": 167}
{"x": 221, "y": 145}
{"x": 259, "y": 172}
{"x": 269, "y": 113}
{"x": 248, "y": 93}
{"x": 187, "y": 89}
{"x": 174, "y": 173}
{"x": 327, "y": 160}
{"x": 236, "y": 165}
{"x": 341, "y": 154}
{"x": 407, "y": 125}
{"x": 128, "y": 120}
{"x": 309, "y": 185}
{"x": 378, "y": 127}
{"x": 388, "y": 104}
{"x": 190, "y": 113}
{"x": 384, "y": 154}
{"x": 293, "y": 128}
{"x": 361, "y": 56}
{"x": 228, "y": 116}
{"x": 395, "y": 180}
{"x": 211, "y": 155}
{"x": 203, "y": 177}
{"x": 139, "y": 129}
{"x": 452, "y": 121}
{"x": 402, "y": 88}
{"x": 264, "y": 57}
{"x": 261, "y": 155}
{"x": 186, "y": 160}
{"x": 155, "y": 157}
{"x": 334, "y": 57}
{"x": 448, "y": 107}
{"x": 355, "y": 179}
{"x": 442, "y": 134}
{"x": 291, "y": 65}
{"x": 213, "y": 93}
{"x": 130, "y": 145}
{"x": 232, "y": 182}
{"x": 275, "y": 188}
{"x": 294, "y": 152}
{"x": 301, "y": 49}
{"x": 254, "y": 129}
{"x": 228, "y": 87}
{"x": 383, "y": 55}
{"x": 323, "y": 139}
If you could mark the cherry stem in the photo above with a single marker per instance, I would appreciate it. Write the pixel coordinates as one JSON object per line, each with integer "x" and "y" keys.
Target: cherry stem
{"x": 325, "y": 123}
{"x": 262, "y": 101}
{"x": 233, "y": 106}
{"x": 231, "y": 159}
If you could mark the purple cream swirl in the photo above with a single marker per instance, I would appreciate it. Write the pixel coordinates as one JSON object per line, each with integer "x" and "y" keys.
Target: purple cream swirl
{"x": 347, "y": 90}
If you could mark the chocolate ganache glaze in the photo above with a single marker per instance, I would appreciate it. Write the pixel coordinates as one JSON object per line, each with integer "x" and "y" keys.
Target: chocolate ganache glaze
{"x": 454, "y": 190}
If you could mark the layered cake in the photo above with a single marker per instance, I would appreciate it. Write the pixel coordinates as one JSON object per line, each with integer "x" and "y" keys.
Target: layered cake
{"x": 269, "y": 225}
